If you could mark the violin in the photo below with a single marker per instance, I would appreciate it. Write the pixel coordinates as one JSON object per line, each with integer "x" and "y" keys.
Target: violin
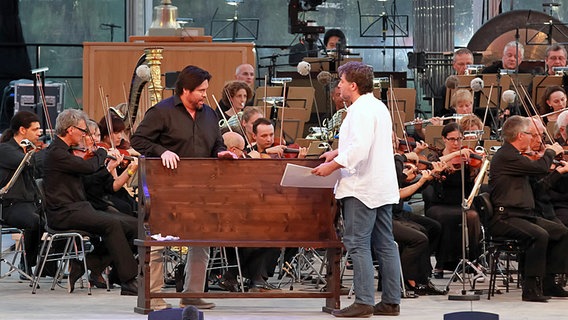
{"x": 82, "y": 152}
{"x": 474, "y": 161}
{"x": 126, "y": 159}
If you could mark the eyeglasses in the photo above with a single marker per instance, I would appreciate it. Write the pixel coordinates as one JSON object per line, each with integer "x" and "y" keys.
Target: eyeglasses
{"x": 84, "y": 131}
{"x": 534, "y": 135}
{"x": 454, "y": 139}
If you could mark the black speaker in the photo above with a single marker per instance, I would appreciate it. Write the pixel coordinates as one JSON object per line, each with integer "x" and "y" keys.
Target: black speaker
{"x": 171, "y": 78}
{"x": 24, "y": 99}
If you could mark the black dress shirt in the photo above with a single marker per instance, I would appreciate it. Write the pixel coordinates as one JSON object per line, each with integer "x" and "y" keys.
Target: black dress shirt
{"x": 168, "y": 126}
{"x": 63, "y": 171}
{"x": 509, "y": 177}
{"x": 11, "y": 155}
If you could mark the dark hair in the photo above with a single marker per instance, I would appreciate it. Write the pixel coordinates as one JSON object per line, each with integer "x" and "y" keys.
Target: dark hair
{"x": 260, "y": 121}
{"x": 190, "y": 78}
{"x": 20, "y": 119}
{"x": 359, "y": 73}
{"x": 333, "y": 33}
{"x": 544, "y": 107}
{"x": 451, "y": 127}
{"x": 117, "y": 126}
{"x": 231, "y": 88}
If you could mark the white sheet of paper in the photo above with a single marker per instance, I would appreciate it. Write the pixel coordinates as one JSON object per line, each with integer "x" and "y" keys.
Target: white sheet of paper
{"x": 302, "y": 177}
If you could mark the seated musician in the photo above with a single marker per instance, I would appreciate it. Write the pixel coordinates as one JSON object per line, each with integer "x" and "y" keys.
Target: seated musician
{"x": 234, "y": 97}
{"x": 510, "y": 59}
{"x": 67, "y": 206}
{"x": 443, "y": 202}
{"x": 19, "y": 205}
{"x": 263, "y": 134}
{"x": 120, "y": 198}
{"x": 561, "y": 133}
{"x": 555, "y": 57}
{"x": 417, "y": 236}
{"x": 242, "y": 124}
{"x": 553, "y": 100}
{"x": 340, "y": 104}
{"x": 545, "y": 242}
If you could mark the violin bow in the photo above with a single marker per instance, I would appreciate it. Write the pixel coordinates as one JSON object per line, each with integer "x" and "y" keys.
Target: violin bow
{"x": 44, "y": 105}
{"x": 548, "y": 135}
{"x": 234, "y": 110}
{"x": 265, "y": 92}
{"x": 106, "y": 114}
{"x": 487, "y": 105}
{"x": 282, "y": 115}
{"x": 127, "y": 107}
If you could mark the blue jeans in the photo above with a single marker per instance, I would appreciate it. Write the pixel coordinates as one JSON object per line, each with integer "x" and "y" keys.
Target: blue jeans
{"x": 363, "y": 225}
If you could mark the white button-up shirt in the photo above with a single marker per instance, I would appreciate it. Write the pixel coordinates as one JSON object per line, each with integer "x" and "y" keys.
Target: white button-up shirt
{"x": 366, "y": 154}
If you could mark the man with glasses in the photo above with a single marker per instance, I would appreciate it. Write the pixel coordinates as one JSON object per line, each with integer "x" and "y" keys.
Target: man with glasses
{"x": 67, "y": 206}
{"x": 546, "y": 242}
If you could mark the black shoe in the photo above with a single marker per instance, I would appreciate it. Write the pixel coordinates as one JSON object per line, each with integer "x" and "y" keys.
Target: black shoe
{"x": 533, "y": 295}
{"x": 99, "y": 282}
{"x": 386, "y": 309}
{"x": 555, "y": 290}
{"x": 129, "y": 288}
{"x": 228, "y": 284}
{"x": 262, "y": 286}
{"x": 428, "y": 289}
{"x": 356, "y": 310}
{"x": 76, "y": 271}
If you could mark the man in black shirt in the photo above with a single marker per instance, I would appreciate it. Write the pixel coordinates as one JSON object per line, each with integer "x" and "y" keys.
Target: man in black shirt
{"x": 184, "y": 126}
{"x": 19, "y": 208}
{"x": 67, "y": 206}
{"x": 513, "y": 202}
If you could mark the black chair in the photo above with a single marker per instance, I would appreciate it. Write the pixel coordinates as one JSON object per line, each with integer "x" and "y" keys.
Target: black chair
{"x": 496, "y": 247}
{"x": 61, "y": 246}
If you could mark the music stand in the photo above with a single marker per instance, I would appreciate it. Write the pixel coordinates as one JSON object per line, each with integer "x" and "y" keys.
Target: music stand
{"x": 552, "y": 29}
{"x": 235, "y": 24}
{"x": 3, "y": 191}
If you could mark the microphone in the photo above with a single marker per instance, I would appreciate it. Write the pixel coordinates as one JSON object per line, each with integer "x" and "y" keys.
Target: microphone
{"x": 304, "y": 68}
{"x": 476, "y": 84}
{"x": 190, "y": 313}
{"x": 452, "y": 82}
{"x": 143, "y": 71}
{"x": 324, "y": 78}
{"x": 509, "y": 96}
{"x": 110, "y": 25}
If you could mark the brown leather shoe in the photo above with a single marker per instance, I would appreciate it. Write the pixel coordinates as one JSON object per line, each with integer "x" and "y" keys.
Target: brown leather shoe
{"x": 356, "y": 310}
{"x": 199, "y": 303}
{"x": 386, "y": 309}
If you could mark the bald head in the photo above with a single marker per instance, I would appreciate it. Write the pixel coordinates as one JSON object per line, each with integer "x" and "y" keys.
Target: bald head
{"x": 234, "y": 143}
{"x": 245, "y": 72}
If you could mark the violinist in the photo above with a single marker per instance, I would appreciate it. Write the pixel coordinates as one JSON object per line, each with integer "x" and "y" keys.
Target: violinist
{"x": 546, "y": 242}
{"x": 417, "y": 236}
{"x": 234, "y": 97}
{"x": 67, "y": 206}
{"x": 263, "y": 134}
{"x": 20, "y": 204}
{"x": 561, "y": 133}
{"x": 443, "y": 202}
{"x": 341, "y": 105}
{"x": 105, "y": 188}
{"x": 235, "y": 143}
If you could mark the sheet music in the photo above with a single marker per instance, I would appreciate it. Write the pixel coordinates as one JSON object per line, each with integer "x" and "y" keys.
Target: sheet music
{"x": 302, "y": 177}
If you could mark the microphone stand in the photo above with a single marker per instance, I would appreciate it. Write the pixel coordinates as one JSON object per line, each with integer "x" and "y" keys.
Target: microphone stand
{"x": 4, "y": 191}
{"x": 465, "y": 246}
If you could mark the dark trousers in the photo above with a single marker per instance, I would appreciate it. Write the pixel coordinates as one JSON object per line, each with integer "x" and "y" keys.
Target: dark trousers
{"x": 117, "y": 231}
{"x": 414, "y": 253}
{"x": 546, "y": 243}
{"x": 23, "y": 215}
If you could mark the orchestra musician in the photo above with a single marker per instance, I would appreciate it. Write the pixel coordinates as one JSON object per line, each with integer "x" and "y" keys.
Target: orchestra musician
{"x": 245, "y": 72}
{"x": 234, "y": 97}
{"x": 443, "y": 202}
{"x": 67, "y": 206}
{"x": 341, "y": 105}
{"x": 462, "y": 57}
{"x": 555, "y": 56}
{"x": 20, "y": 204}
{"x": 417, "y": 236}
{"x": 561, "y": 134}
{"x": 553, "y": 100}
{"x": 545, "y": 241}
{"x": 513, "y": 54}
{"x": 183, "y": 126}
{"x": 263, "y": 135}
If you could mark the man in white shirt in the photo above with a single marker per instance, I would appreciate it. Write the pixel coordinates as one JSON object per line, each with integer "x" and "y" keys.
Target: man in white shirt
{"x": 368, "y": 188}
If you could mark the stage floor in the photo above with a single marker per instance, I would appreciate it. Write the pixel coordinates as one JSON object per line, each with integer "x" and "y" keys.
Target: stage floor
{"x": 17, "y": 302}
